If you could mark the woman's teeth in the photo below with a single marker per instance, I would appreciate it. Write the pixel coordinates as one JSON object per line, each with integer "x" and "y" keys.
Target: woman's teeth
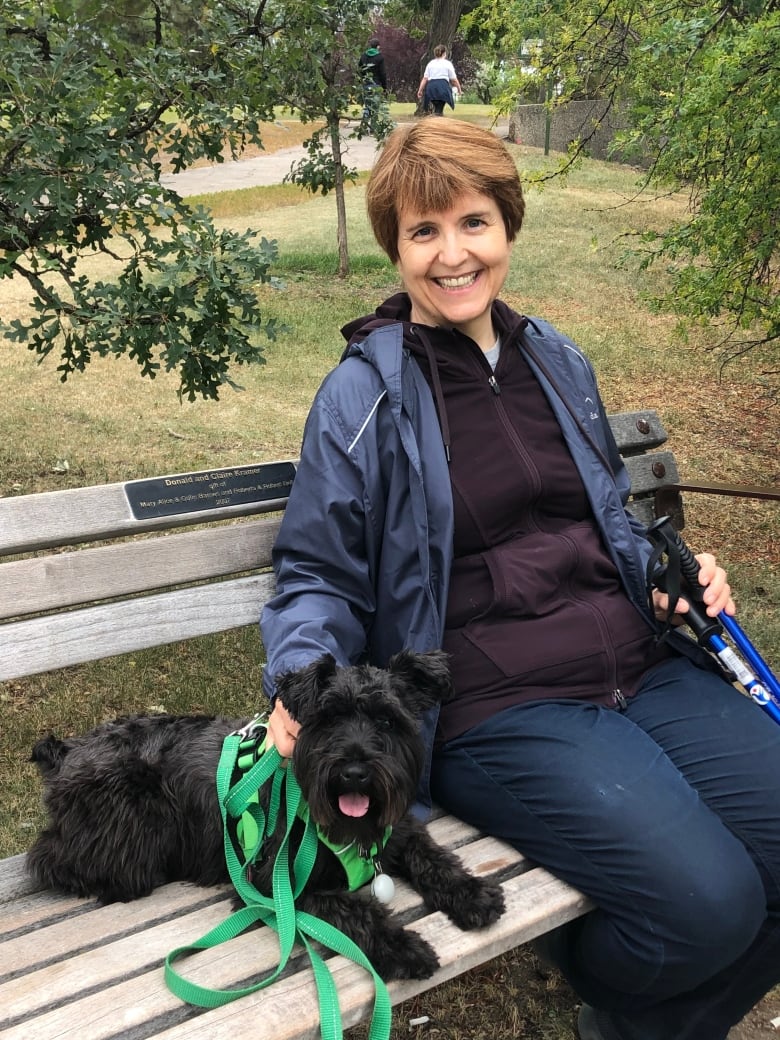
{"x": 457, "y": 283}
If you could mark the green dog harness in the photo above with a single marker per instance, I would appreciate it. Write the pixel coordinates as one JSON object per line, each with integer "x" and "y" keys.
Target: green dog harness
{"x": 237, "y": 789}
{"x": 360, "y": 865}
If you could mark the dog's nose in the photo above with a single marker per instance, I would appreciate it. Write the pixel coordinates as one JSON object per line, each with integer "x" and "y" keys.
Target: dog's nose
{"x": 355, "y": 775}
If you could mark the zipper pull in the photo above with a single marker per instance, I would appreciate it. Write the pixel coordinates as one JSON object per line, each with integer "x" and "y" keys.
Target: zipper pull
{"x": 494, "y": 385}
{"x": 619, "y": 700}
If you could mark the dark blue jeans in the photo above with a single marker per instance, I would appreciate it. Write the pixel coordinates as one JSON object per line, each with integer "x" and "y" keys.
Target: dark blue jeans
{"x": 668, "y": 816}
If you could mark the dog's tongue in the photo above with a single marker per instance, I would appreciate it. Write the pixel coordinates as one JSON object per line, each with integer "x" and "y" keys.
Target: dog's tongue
{"x": 353, "y": 804}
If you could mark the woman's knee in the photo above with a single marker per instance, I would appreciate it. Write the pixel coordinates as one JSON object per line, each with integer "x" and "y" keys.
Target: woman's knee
{"x": 704, "y": 922}
{"x": 729, "y": 907}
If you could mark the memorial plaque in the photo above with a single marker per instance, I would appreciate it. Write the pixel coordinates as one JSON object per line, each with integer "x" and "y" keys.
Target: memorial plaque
{"x": 209, "y": 489}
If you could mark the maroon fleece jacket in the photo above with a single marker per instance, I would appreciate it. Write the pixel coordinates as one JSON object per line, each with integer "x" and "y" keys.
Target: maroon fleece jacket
{"x": 536, "y": 608}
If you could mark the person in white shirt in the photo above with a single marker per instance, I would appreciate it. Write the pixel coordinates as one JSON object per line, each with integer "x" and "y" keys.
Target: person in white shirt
{"x": 437, "y": 82}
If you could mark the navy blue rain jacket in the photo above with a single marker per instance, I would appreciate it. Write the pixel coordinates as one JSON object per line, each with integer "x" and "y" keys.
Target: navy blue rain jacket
{"x": 364, "y": 552}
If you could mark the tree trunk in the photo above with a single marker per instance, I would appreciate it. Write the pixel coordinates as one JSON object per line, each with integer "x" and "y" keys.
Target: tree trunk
{"x": 445, "y": 15}
{"x": 341, "y": 207}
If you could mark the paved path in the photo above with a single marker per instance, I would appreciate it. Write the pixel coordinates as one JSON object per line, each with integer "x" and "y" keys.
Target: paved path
{"x": 261, "y": 170}
{"x": 268, "y": 169}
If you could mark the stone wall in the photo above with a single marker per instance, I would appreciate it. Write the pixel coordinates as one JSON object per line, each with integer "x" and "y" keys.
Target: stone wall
{"x": 575, "y": 119}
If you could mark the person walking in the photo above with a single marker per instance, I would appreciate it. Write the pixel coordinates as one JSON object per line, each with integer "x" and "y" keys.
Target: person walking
{"x": 459, "y": 487}
{"x": 373, "y": 76}
{"x": 438, "y": 81}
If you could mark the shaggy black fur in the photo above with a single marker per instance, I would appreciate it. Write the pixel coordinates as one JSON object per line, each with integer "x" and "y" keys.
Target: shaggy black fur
{"x": 132, "y": 804}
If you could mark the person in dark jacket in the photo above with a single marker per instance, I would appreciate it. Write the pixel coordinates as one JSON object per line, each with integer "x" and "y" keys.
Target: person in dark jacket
{"x": 373, "y": 76}
{"x": 459, "y": 487}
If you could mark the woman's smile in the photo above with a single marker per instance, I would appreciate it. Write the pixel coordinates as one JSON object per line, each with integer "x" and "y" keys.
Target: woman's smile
{"x": 461, "y": 282}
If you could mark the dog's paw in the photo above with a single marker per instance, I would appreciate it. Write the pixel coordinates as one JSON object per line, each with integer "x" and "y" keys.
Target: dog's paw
{"x": 409, "y": 957}
{"x": 477, "y": 903}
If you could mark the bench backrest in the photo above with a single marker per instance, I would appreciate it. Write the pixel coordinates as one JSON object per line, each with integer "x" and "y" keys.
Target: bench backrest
{"x": 65, "y": 600}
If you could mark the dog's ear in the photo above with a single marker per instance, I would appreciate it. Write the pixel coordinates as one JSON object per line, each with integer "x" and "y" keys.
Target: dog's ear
{"x": 48, "y": 754}
{"x": 427, "y": 676}
{"x": 299, "y": 690}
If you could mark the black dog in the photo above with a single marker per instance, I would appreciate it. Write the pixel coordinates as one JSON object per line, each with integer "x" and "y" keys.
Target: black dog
{"x": 133, "y": 805}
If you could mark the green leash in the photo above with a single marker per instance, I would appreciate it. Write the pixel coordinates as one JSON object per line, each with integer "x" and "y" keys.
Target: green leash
{"x": 278, "y": 912}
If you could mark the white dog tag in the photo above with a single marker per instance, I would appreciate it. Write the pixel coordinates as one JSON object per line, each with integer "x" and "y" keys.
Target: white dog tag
{"x": 382, "y": 888}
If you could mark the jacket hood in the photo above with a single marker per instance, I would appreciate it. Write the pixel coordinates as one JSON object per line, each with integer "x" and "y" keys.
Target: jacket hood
{"x": 397, "y": 310}
{"x": 442, "y": 353}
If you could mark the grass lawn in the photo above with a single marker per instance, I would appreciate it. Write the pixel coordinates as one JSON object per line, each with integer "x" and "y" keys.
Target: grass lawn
{"x": 108, "y": 424}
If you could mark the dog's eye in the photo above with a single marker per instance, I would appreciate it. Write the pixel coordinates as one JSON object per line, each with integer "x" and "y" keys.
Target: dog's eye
{"x": 384, "y": 722}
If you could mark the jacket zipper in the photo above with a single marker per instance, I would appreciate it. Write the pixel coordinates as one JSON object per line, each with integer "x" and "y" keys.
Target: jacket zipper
{"x": 512, "y": 433}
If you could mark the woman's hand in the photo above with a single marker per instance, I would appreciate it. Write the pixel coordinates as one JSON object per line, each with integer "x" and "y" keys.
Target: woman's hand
{"x": 717, "y": 593}
{"x": 282, "y": 730}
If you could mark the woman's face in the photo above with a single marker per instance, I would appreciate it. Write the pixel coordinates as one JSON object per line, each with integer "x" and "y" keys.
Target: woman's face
{"x": 454, "y": 264}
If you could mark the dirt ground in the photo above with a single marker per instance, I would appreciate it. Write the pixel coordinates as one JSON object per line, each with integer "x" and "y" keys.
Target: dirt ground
{"x": 516, "y": 997}
{"x": 758, "y": 1024}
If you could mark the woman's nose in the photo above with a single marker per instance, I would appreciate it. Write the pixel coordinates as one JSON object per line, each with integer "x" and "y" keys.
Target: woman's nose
{"x": 452, "y": 250}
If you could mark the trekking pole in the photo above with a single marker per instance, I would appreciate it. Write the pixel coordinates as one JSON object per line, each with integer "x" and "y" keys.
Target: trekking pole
{"x": 742, "y": 662}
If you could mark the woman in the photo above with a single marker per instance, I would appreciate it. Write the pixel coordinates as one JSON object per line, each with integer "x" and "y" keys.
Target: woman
{"x": 438, "y": 81}
{"x": 459, "y": 486}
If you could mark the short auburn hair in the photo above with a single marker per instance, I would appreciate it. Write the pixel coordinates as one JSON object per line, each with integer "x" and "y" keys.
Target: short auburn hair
{"x": 430, "y": 163}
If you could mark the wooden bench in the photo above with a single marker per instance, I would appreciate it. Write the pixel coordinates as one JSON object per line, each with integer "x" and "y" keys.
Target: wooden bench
{"x": 72, "y": 969}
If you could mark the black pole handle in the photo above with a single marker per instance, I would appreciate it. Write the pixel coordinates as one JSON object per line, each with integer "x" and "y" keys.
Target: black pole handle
{"x": 663, "y": 533}
{"x": 663, "y": 528}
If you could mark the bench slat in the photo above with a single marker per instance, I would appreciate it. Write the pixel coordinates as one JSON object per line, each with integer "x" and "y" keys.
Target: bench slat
{"x": 649, "y": 472}
{"x": 95, "y": 925}
{"x": 15, "y": 882}
{"x": 45, "y": 643}
{"x": 106, "y": 963}
{"x": 88, "y": 575}
{"x": 637, "y": 431}
{"x": 39, "y": 908}
{"x": 642, "y": 509}
{"x": 55, "y": 518}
